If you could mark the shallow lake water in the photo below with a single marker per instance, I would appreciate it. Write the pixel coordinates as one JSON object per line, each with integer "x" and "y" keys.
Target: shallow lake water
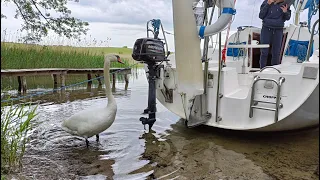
{"x": 170, "y": 151}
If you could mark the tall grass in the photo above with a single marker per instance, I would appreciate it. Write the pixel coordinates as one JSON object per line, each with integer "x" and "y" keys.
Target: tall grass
{"x": 19, "y": 56}
{"x": 91, "y": 50}
{"x": 16, "y": 123}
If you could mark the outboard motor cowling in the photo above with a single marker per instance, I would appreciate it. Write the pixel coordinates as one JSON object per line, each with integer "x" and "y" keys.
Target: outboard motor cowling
{"x": 148, "y": 50}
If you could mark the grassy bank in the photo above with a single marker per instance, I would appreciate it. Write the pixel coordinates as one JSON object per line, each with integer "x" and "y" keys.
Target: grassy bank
{"x": 18, "y": 56}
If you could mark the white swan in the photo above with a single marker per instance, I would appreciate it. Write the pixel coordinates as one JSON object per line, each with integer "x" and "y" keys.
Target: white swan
{"x": 91, "y": 122}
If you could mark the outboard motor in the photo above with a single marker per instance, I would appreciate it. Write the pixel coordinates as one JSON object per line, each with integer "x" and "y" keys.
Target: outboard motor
{"x": 151, "y": 51}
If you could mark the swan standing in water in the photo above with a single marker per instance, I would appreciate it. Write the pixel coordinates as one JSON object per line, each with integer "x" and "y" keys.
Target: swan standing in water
{"x": 91, "y": 122}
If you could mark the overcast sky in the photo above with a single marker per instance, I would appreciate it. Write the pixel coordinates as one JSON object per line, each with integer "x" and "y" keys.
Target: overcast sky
{"x": 125, "y": 20}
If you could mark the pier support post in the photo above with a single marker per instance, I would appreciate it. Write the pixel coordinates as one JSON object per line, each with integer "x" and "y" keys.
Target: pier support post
{"x": 62, "y": 81}
{"x": 55, "y": 81}
{"x": 20, "y": 85}
{"x": 113, "y": 82}
{"x": 89, "y": 85}
{"x": 24, "y": 84}
{"x": 22, "y": 81}
{"x": 99, "y": 80}
{"x": 126, "y": 82}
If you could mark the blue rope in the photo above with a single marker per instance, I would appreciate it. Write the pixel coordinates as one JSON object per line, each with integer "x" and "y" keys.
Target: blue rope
{"x": 301, "y": 53}
{"x": 312, "y": 11}
{"x": 60, "y": 88}
{"x": 299, "y": 49}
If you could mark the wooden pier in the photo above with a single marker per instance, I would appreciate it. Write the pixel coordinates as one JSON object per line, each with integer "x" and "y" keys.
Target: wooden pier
{"x": 62, "y": 72}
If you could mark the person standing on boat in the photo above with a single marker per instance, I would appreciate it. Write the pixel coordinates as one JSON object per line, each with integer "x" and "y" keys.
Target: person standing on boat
{"x": 273, "y": 14}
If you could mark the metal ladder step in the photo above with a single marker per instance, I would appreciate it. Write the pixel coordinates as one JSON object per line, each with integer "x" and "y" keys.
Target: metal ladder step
{"x": 278, "y": 105}
{"x": 257, "y": 101}
{"x": 263, "y": 108}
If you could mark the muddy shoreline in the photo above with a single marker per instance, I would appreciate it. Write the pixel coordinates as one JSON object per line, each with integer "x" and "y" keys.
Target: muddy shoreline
{"x": 201, "y": 154}
{"x": 66, "y": 161}
{"x": 198, "y": 153}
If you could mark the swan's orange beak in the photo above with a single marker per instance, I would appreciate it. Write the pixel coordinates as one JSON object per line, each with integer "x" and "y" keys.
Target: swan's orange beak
{"x": 119, "y": 60}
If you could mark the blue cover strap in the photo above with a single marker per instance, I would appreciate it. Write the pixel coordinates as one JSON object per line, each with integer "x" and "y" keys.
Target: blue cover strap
{"x": 201, "y": 31}
{"x": 229, "y": 11}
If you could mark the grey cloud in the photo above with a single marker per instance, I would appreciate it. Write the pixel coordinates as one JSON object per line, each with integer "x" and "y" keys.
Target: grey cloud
{"x": 123, "y": 11}
{"x": 140, "y": 11}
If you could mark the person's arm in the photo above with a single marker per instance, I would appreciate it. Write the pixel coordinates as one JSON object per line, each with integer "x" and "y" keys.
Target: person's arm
{"x": 264, "y": 9}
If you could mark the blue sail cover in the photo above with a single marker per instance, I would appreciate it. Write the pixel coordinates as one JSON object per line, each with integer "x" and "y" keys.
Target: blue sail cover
{"x": 235, "y": 52}
{"x": 298, "y": 49}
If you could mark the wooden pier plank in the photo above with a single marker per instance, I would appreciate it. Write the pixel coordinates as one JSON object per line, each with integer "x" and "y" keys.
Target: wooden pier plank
{"x": 49, "y": 71}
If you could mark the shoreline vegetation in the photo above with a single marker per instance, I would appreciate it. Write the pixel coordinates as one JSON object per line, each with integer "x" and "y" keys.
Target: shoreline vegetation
{"x": 30, "y": 56}
{"x": 17, "y": 121}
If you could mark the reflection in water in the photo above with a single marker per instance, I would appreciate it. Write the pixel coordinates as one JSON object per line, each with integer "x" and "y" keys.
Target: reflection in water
{"x": 126, "y": 151}
{"x": 47, "y": 81}
{"x": 51, "y": 85}
{"x": 39, "y": 84}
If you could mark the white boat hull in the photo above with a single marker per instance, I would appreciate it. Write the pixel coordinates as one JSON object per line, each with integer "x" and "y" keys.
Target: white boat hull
{"x": 299, "y": 93}
{"x": 307, "y": 115}
{"x": 297, "y": 113}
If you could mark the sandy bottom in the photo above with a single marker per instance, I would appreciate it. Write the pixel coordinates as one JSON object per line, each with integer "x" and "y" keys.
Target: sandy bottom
{"x": 61, "y": 163}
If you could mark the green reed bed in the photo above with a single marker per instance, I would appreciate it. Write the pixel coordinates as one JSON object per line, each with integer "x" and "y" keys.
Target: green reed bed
{"x": 16, "y": 122}
{"x": 124, "y": 51}
{"x": 17, "y": 56}
{"x": 21, "y": 58}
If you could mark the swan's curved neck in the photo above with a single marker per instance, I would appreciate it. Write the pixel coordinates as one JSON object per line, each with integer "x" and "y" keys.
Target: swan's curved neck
{"x": 107, "y": 79}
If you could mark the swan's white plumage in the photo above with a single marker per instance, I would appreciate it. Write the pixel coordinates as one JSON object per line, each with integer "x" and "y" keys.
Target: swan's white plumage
{"x": 90, "y": 122}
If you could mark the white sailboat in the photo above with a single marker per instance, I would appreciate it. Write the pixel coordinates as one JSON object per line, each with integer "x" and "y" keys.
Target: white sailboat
{"x": 238, "y": 95}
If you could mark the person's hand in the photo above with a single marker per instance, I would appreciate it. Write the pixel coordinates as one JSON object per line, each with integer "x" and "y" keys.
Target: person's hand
{"x": 284, "y": 8}
{"x": 270, "y": 1}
